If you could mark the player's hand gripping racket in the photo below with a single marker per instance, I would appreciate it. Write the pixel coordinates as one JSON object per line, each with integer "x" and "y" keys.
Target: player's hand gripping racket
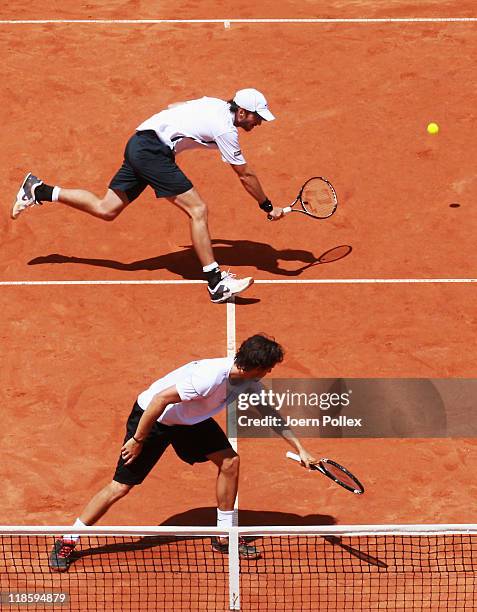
{"x": 317, "y": 199}
{"x": 335, "y": 472}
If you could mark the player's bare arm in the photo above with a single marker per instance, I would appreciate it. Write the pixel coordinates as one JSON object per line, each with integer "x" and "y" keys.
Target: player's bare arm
{"x": 133, "y": 446}
{"x": 287, "y": 434}
{"x": 306, "y": 458}
{"x": 252, "y": 185}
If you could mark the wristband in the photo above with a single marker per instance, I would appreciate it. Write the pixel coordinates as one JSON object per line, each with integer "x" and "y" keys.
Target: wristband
{"x": 267, "y": 206}
{"x": 137, "y": 441}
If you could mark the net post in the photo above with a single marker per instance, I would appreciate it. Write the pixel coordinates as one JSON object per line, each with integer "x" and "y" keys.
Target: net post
{"x": 234, "y": 569}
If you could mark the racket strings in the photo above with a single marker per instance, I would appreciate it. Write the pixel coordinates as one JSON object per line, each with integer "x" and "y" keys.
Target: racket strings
{"x": 318, "y": 198}
{"x": 342, "y": 476}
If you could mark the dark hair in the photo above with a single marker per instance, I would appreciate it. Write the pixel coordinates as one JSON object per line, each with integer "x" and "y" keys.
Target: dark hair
{"x": 258, "y": 351}
{"x": 233, "y": 106}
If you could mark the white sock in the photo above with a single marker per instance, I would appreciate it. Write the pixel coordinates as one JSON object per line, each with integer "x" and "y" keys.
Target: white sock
{"x": 74, "y": 536}
{"x": 210, "y": 267}
{"x": 225, "y": 519}
{"x": 56, "y": 194}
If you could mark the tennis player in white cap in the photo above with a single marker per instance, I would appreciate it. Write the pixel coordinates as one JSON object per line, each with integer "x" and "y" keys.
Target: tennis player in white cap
{"x": 149, "y": 159}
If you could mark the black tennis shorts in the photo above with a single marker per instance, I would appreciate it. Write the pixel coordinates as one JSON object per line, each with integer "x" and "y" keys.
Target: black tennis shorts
{"x": 192, "y": 444}
{"x": 148, "y": 161}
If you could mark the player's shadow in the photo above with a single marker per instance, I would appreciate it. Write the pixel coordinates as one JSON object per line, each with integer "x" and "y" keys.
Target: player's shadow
{"x": 169, "y": 545}
{"x": 199, "y": 517}
{"x": 247, "y": 518}
{"x": 228, "y": 252}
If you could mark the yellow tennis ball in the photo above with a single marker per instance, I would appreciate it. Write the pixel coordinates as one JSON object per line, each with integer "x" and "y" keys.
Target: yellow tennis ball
{"x": 433, "y": 128}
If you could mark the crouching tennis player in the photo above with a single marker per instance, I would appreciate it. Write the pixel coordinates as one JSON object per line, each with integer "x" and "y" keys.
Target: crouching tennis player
{"x": 177, "y": 410}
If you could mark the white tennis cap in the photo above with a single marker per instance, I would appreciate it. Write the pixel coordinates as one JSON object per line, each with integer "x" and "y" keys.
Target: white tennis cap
{"x": 253, "y": 101}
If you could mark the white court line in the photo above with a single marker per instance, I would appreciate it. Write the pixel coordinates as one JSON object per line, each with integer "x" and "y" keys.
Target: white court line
{"x": 310, "y": 281}
{"x": 102, "y": 282}
{"x": 231, "y": 349}
{"x": 358, "y": 20}
{"x": 231, "y": 346}
{"x": 231, "y": 409}
{"x": 364, "y": 281}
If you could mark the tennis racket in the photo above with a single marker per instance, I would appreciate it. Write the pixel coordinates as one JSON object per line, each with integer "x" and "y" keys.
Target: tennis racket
{"x": 336, "y": 472}
{"x": 317, "y": 199}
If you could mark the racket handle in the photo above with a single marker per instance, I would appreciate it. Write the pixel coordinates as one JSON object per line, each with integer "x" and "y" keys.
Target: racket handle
{"x": 293, "y": 456}
{"x": 285, "y": 210}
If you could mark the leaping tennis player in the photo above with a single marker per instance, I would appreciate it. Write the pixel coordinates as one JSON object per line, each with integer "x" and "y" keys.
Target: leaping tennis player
{"x": 149, "y": 159}
{"x": 177, "y": 410}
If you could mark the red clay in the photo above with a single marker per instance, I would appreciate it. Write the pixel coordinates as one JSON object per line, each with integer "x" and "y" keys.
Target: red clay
{"x": 352, "y": 103}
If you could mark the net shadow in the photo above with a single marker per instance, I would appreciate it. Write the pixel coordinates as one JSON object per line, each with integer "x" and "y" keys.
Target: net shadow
{"x": 141, "y": 544}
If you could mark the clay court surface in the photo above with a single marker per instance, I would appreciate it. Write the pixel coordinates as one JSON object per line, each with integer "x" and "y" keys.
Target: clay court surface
{"x": 352, "y": 102}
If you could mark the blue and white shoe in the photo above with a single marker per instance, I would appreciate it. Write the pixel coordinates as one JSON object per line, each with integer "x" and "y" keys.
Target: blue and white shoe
{"x": 26, "y": 195}
{"x": 228, "y": 286}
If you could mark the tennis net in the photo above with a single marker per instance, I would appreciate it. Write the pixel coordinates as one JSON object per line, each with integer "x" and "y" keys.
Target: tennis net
{"x": 298, "y": 569}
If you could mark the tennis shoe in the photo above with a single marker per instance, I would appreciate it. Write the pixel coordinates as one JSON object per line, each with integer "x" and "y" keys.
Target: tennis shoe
{"x": 26, "y": 195}
{"x": 228, "y": 286}
{"x": 60, "y": 556}
{"x": 246, "y": 551}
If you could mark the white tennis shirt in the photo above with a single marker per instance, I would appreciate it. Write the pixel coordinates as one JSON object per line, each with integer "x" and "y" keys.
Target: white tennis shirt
{"x": 202, "y": 387}
{"x": 205, "y": 122}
